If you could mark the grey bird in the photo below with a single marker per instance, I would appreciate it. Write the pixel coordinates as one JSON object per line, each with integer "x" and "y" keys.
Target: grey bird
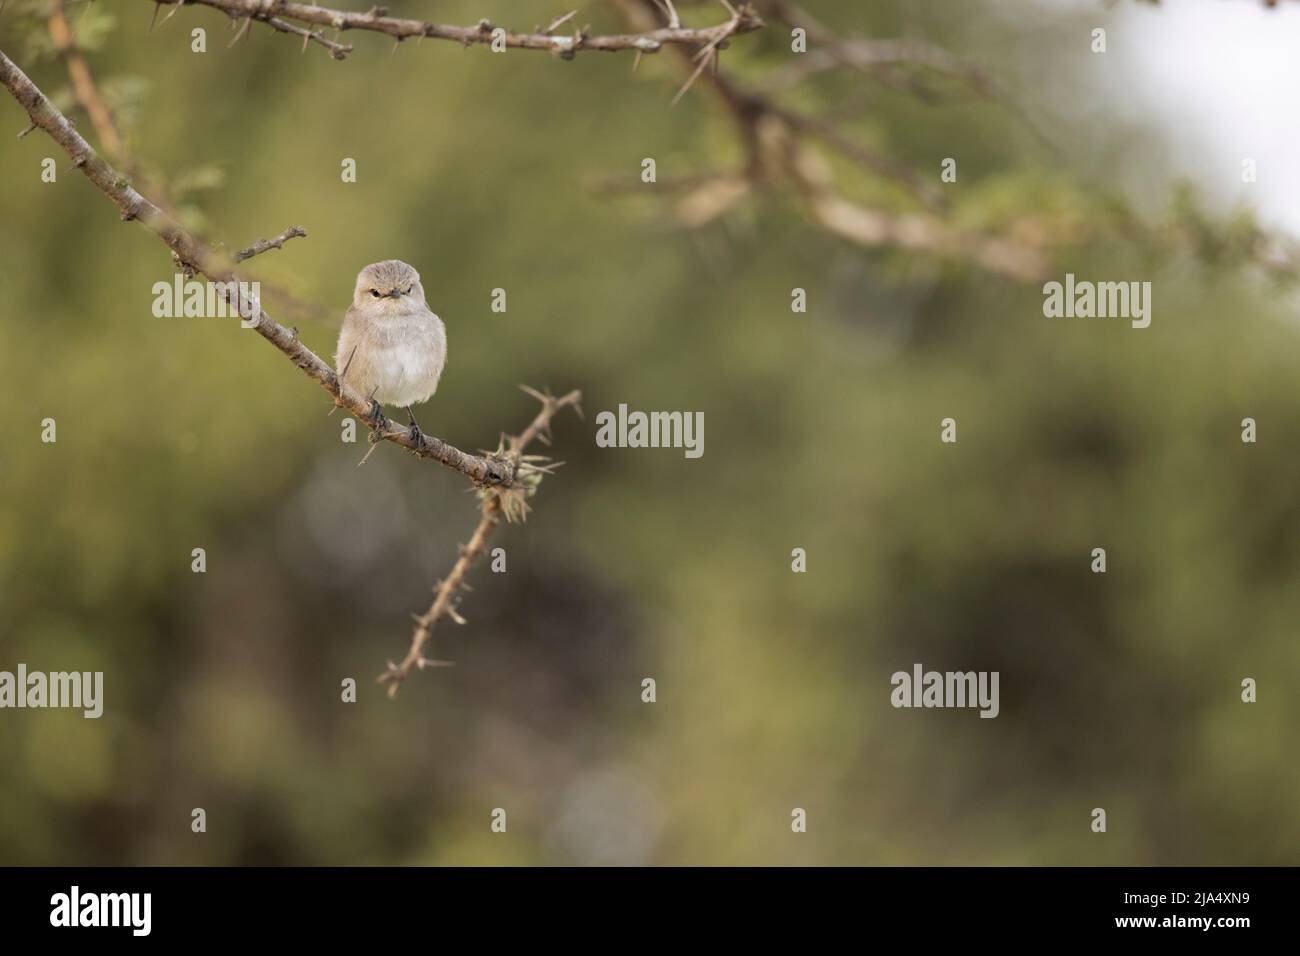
{"x": 392, "y": 348}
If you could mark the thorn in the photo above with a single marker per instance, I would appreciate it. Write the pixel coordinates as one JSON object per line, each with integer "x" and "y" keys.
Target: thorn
{"x": 152, "y": 20}
{"x": 694, "y": 76}
{"x": 248, "y": 22}
{"x": 559, "y": 22}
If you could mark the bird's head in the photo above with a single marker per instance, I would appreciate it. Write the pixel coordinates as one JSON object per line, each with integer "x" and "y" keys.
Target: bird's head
{"x": 389, "y": 287}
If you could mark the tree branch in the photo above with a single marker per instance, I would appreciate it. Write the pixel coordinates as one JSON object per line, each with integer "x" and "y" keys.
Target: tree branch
{"x": 497, "y": 503}
{"x": 776, "y": 140}
{"x": 378, "y": 21}
{"x": 265, "y": 245}
{"x": 83, "y": 84}
{"x": 111, "y": 141}
{"x": 193, "y": 256}
{"x": 337, "y": 50}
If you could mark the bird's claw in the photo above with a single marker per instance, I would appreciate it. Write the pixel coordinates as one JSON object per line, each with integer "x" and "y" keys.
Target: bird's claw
{"x": 380, "y": 422}
{"x": 416, "y": 434}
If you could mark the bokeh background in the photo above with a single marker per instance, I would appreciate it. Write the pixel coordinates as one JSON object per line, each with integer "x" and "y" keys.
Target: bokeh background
{"x": 1119, "y": 691}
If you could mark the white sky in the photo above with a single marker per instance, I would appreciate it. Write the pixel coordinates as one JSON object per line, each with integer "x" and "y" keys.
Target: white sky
{"x": 1225, "y": 77}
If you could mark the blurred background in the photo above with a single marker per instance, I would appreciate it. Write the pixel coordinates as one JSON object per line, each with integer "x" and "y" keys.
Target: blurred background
{"x": 521, "y": 171}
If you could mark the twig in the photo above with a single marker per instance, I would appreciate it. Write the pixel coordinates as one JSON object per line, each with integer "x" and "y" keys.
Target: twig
{"x": 708, "y": 54}
{"x": 559, "y": 22}
{"x": 337, "y": 50}
{"x": 670, "y": 11}
{"x": 265, "y": 245}
{"x": 497, "y": 504}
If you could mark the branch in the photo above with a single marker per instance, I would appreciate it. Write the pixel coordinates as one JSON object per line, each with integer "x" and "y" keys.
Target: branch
{"x": 83, "y": 84}
{"x": 880, "y": 58}
{"x": 265, "y": 245}
{"x": 378, "y": 21}
{"x": 497, "y": 503}
{"x": 337, "y": 50}
{"x": 776, "y": 142}
{"x": 88, "y": 97}
{"x": 193, "y": 256}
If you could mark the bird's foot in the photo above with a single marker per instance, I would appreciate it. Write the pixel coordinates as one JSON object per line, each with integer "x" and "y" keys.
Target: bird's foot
{"x": 380, "y": 422}
{"x": 415, "y": 427}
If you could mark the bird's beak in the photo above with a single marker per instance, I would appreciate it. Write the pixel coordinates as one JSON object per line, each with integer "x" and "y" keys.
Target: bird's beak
{"x": 395, "y": 294}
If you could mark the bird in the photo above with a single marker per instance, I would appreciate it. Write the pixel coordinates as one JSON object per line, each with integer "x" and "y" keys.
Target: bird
{"x": 392, "y": 348}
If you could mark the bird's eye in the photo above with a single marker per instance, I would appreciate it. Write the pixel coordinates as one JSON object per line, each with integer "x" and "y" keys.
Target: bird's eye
{"x": 408, "y": 290}
{"x": 375, "y": 293}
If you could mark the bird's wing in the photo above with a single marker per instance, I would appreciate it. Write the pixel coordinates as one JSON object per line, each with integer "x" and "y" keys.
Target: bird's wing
{"x": 349, "y": 336}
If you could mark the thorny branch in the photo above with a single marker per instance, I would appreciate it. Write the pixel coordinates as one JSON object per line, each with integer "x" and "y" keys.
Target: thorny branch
{"x": 777, "y": 140}
{"x": 497, "y": 503}
{"x": 193, "y": 257}
{"x": 281, "y": 14}
{"x": 505, "y": 478}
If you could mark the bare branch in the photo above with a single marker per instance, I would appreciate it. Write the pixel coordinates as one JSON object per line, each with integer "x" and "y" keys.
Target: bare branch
{"x": 285, "y": 12}
{"x": 497, "y": 504}
{"x": 265, "y": 245}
